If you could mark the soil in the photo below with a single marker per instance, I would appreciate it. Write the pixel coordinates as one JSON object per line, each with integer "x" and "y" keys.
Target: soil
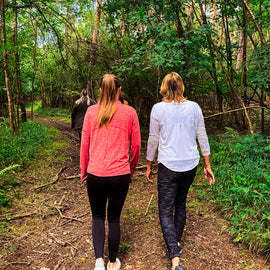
{"x": 53, "y": 230}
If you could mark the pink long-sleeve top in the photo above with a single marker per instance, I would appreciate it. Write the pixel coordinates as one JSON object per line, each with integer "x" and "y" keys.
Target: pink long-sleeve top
{"x": 105, "y": 152}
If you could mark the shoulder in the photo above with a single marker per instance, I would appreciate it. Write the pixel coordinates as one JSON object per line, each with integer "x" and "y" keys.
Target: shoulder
{"x": 192, "y": 104}
{"x": 160, "y": 105}
{"x": 127, "y": 109}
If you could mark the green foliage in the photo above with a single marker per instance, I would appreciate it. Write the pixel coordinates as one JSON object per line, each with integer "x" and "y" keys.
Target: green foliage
{"x": 24, "y": 146}
{"x": 124, "y": 248}
{"x": 4, "y": 198}
{"x": 53, "y": 112}
{"x": 259, "y": 66}
{"x": 9, "y": 168}
{"x": 242, "y": 188}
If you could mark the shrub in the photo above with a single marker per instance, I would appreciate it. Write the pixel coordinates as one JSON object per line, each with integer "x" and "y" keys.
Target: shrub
{"x": 242, "y": 188}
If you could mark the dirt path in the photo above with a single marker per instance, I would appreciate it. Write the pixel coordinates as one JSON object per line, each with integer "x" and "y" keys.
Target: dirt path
{"x": 62, "y": 239}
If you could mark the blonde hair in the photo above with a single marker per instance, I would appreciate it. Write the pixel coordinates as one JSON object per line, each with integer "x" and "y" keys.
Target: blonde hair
{"x": 109, "y": 84}
{"x": 172, "y": 88}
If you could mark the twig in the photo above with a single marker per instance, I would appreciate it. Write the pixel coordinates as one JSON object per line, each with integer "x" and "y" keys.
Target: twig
{"x": 56, "y": 178}
{"x": 64, "y": 223}
{"x": 149, "y": 204}
{"x": 143, "y": 173}
{"x": 73, "y": 176}
{"x": 27, "y": 263}
{"x": 60, "y": 242}
{"x": 18, "y": 216}
{"x": 58, "y": 265}
{"x": 240, "y": 109}
{"x": 141, "y": 167}
{"x": 62, "y": 216}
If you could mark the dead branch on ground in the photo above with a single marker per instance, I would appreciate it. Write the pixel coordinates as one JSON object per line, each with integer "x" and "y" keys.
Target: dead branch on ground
{"x": 148, "y": 205}
{"x": 73, "y": 176}
{"x": 56, "y": 178}
{"x": 62, "y": 216}
{"x": 18, "y": 216}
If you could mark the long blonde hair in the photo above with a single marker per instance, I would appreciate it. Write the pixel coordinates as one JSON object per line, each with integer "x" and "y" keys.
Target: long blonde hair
{"x": 109, "y": 85}
{"x": 172, "y": 88}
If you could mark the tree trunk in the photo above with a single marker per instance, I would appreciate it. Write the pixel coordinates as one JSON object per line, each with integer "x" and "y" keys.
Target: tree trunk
{"x": 34, "y": 70}
{"x": 214, "y": 69}
{"x": 245, "y": 55}
{"x": 20, "y": 99}
{"x": 258, "y": 27}
{"x": 6, "y": 69}
{"x": 95, "y": 34}
{"x": 240, "y": 51}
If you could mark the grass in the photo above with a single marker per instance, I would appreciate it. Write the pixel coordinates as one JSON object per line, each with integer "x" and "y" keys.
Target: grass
{"x": 242, "y": 189}
{"x": 49, "y": 112}
{"x": 26, "y": 150}
{"x": 19, "y": 148}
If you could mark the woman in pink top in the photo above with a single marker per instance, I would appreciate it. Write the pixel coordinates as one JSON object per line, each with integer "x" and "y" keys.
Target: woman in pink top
{"x": 108, "y": 130}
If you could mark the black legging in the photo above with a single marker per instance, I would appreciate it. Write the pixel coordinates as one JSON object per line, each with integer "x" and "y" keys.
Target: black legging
{"x": 172, "y": 193}
{"x": 100, "y": 190}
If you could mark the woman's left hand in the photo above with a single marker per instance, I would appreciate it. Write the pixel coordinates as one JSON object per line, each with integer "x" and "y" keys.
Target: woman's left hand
{"x": 149, "y": 171}
{"x": 208, "y": 174}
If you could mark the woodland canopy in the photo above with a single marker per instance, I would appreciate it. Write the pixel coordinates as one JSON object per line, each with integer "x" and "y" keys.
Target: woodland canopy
{"x": 51, "y": 49}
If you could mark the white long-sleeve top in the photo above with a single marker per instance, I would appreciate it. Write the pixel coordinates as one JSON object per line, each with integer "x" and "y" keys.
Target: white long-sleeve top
{"x": 173, "y": 130}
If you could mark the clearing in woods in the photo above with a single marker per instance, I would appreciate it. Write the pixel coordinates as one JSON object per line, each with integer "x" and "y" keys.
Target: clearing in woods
{"x": 52, "y": 225}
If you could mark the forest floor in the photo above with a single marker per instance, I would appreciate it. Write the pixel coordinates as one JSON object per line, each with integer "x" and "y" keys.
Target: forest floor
{"x": 51, "y": 228}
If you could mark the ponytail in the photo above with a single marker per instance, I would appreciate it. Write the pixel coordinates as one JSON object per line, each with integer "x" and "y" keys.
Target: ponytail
{"x": 109, "y": 84}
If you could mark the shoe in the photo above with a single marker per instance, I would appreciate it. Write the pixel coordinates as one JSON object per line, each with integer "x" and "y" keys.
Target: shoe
{"x": 180, "y": 249}
{"x": 178, "y": 267}
{"x": 117, "y": 267}
{"x": 100, "y": 266}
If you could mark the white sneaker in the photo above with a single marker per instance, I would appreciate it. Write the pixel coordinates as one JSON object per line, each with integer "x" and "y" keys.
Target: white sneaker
{"x": 100, "y": 266}
{"x": 117, "y": 267}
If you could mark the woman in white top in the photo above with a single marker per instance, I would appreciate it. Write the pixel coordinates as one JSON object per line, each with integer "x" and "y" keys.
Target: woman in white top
{"x": 175, "y": 124}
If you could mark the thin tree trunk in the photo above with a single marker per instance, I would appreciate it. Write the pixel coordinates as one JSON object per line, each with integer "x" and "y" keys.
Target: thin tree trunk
{"x": 98, "y": 15}
{"x": 20, "y": 99}
{"x": 190, "y": 15}
{"x": 258, "y": 27}
{"x": 6, "y": 69}
{"x": 240, "y": 51}
{"x": 34, "y": 70}
{"x": 214, "y": 69}
{"x": 95, "y": 34}
{"x": 245, "y": 55}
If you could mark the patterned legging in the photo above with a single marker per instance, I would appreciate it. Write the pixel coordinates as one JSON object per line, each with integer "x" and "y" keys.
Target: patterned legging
{"x": 172, "y": 193}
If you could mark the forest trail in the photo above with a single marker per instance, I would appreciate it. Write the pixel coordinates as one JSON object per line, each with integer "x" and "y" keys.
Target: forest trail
{"x": 62, "y": 239}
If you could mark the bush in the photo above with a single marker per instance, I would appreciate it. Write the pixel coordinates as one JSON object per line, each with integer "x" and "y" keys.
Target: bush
{"x": 242, "y": 189}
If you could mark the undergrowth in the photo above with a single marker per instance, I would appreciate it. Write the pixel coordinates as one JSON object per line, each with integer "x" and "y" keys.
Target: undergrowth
{"x": 17, "y": 150}
{"x": 53, "y": 112}
{"x": 242, "y": 190}
{"x": 48, "y": 111}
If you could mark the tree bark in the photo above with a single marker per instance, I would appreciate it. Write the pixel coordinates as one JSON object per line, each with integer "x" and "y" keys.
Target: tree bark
{"x": 34, "y": 70}
{"x": 20, "y": 99}
{"x": 6, "y": 68}
{"x": 240, "y": 51}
